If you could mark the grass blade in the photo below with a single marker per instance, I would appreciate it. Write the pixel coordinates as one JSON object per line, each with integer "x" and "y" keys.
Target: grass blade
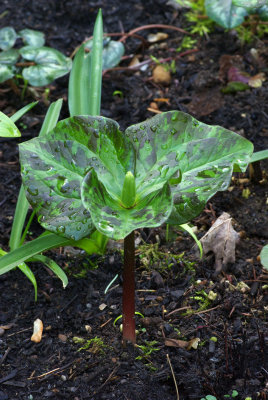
{"x": 188, "y": 229}
{"x": 22, "y": 111}
{"x": 51, "y": 118}
{"x": 259, "y": 155}
{"x": 30, "y": 249}
{"x": 96, "y": 67}
{"x": 79, "y": 84}
{"x": 18, "y": 220}
{"x": 58, "y": 271}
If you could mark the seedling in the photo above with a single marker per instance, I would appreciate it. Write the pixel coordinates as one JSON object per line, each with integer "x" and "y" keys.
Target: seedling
{"x": 94, "y": 345}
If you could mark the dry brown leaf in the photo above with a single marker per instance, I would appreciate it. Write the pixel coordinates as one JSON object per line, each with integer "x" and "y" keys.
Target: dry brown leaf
{"x": 182, "y": 344}
{"x": 221, "y": 239}
{"x": 202, "y": 105}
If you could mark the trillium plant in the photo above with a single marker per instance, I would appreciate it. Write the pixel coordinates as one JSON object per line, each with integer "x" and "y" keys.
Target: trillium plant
{"x": 87, "y": 174}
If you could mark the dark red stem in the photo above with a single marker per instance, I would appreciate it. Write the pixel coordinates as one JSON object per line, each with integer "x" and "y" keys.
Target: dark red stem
{"x": 129, "y": 290}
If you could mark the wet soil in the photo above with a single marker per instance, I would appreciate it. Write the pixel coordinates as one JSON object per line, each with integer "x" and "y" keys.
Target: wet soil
{"x": 232, "y": 326}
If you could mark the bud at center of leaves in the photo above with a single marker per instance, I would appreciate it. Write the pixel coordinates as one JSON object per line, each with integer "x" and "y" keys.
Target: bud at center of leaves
{"x": 128, "y": 196}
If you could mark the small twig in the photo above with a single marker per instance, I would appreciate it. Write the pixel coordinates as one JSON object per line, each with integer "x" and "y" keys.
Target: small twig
{"x": 105, "y": 323}
{"x": 177, "y": 310}
{"x": 205, "y": 311}
{"x": 5, "y": 355}
{"x": 173, "y": 375}
{"x": 108, "y": 379}
{"x": 23, "y": 330}
{"x": 153, "y": 26}
{"x": 59, "y": 369}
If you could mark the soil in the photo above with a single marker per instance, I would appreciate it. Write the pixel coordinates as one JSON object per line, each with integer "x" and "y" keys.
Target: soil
{"x": 231, "y": 328}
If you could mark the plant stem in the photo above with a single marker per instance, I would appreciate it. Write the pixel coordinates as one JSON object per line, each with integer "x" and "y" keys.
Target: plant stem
{"x": 129, "y": 290}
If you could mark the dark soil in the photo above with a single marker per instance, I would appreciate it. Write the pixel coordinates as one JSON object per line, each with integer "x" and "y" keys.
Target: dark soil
{"x": 165, "y": 279}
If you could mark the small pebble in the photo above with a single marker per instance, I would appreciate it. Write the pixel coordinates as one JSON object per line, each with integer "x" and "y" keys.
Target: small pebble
{"x": 63, "y": 338}
{"x": 2, "y": 331}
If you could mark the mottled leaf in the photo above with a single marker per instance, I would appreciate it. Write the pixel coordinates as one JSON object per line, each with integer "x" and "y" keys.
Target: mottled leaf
{"x": 225, "y": 13}
{"x": 249, "y": 3}
{"x": 50, "y": 65}
{"x": 32, "y": 38}
{"x": 53, "y": 169}
{"x": 78, "y": 172}
{"x": 116, "y": 221}
{"x": 9, "y": 57}
{"x": 6, "y": 72}
{"x": 8, "y": 38}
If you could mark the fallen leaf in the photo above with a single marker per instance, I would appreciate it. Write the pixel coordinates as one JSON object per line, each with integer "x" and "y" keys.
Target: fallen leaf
{"x": 202, "y": 105}
{"x": 221, "y": 239}
{"x": 37, "y": 331}
{"x": 182, "y": 344}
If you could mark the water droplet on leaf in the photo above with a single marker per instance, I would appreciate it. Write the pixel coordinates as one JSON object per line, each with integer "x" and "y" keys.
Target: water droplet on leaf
{"x": 60, "y": 229}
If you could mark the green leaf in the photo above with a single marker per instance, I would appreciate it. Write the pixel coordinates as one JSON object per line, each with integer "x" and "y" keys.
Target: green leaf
{"x": 79, "y": 84}
{"x": 18, "y": 114}
{"x": 61, "y": 161}
{"x": 58, "y": 271}
{"x": 112, "y": 53}
{"x": 115, "y": 221}
{"x": 259, "y": 155}
{"x": 22, "y": 205}
{"x": 79, "y": 171}
{"x": 30, "y": 249}
{"x": 8, "y": 38}
{"x": 264, "y": 257}
{"x": 51, "y": 117}
{"x": 225, "y": 13}
{"x": 188, "y": 229}
{"x": 32, "y": 38}
{"x": 9, "y": 57}
{"x": 50, "y": 65}
{"x": 249, "y": 3}
{"x": 96, "y": 67}
{"x": 7, "y": 127}
{"x": 6, "y": 72}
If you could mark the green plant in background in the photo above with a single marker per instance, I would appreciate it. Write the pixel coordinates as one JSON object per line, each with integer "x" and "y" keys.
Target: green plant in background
{"x": 231, "y": 13}
{"x": 35, "y": 63}
{"x": 264, "y": 256}
{"x": 197, "y": 16}
{"x": 187, "y": 43}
